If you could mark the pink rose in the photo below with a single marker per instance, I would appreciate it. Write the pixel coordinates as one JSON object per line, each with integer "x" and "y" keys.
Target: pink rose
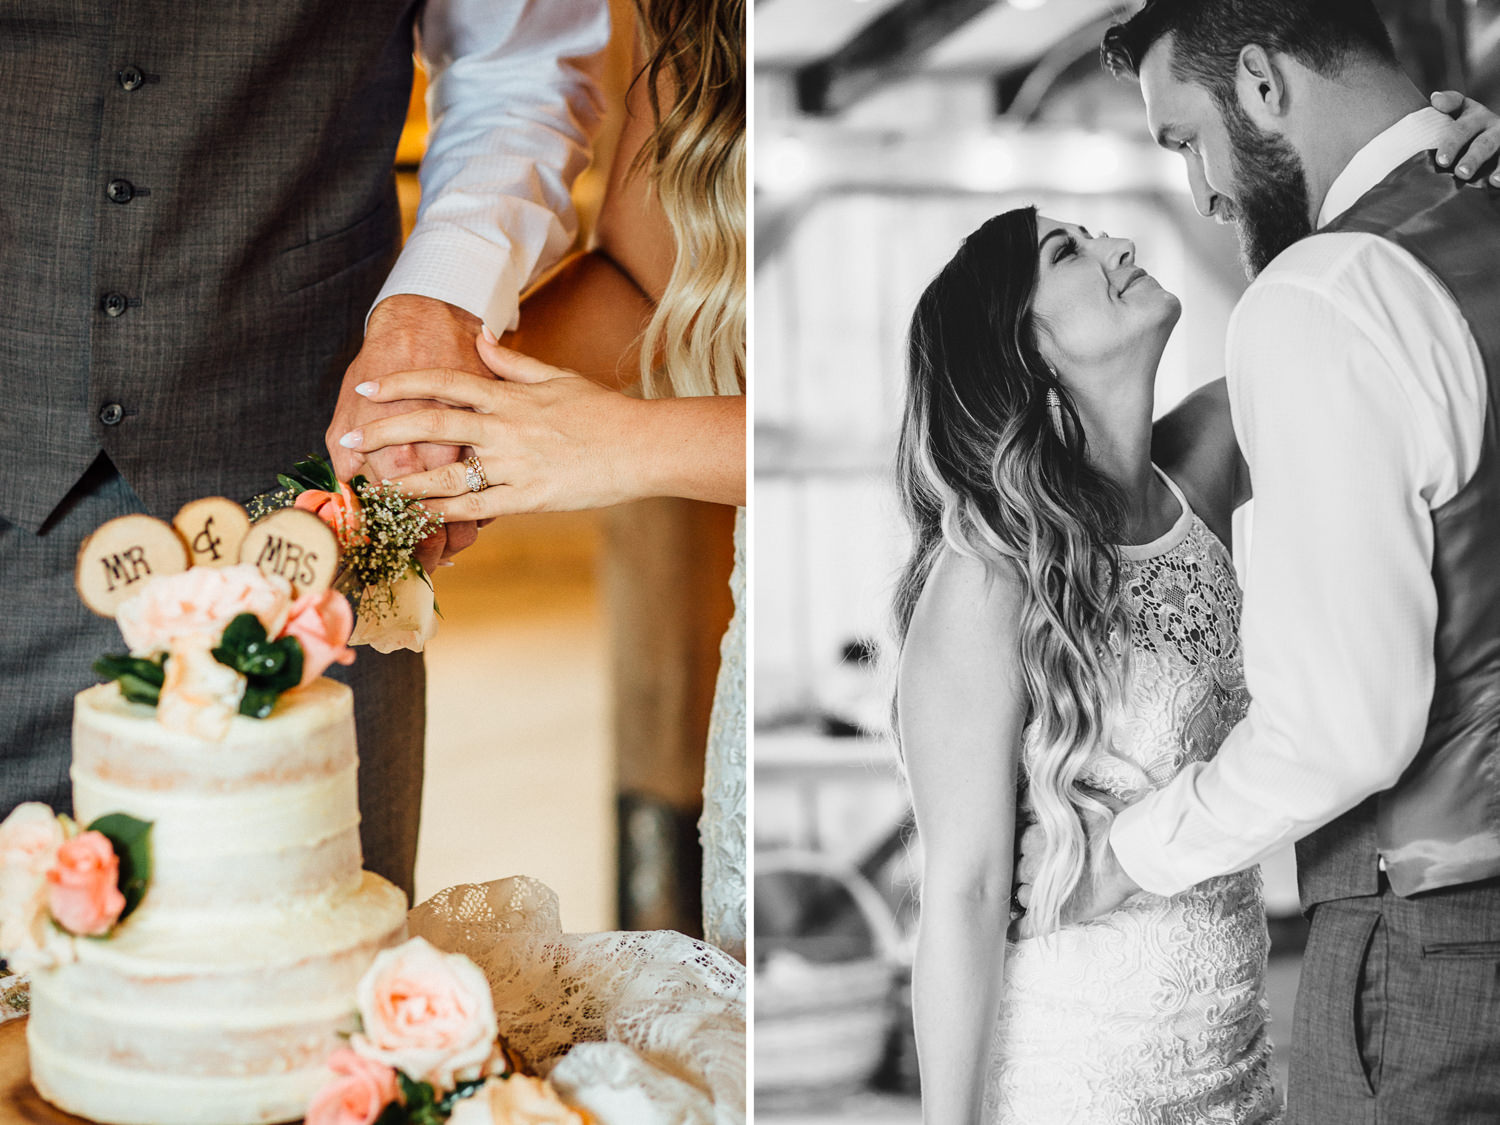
{"x": 322, "y": 623}
{"x": 197, "y": 604}
{"x": 357, "y": 1096}
{"x": 199, "y": 696}
{"x": 83, "y": 887}
{"x": 29, "y": 838}
{"x": 340, "y": 510}
{"x": 517, "y": 1100}
{"x": 426, "y": 1013}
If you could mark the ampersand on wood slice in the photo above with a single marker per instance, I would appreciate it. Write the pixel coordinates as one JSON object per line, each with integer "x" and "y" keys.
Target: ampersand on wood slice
{"x": 213, "y": 530}
{"x": 296, "y": 545}
{"x": 115, "y": 561}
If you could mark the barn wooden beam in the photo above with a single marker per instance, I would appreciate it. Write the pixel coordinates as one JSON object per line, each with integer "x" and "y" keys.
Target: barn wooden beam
{"x": 886, "y": 49}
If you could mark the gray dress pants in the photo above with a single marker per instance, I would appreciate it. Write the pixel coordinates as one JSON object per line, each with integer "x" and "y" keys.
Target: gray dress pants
{"x": 1398, "y": 1011}
{"x": 48, "y": 641}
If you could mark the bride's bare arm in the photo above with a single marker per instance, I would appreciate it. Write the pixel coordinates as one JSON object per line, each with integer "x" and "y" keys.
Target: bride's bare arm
{"x": 961, "y": 715}
{"x": 1195, "y": 444}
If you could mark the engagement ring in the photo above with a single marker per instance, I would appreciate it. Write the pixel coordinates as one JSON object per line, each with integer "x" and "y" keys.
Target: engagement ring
{"x": 474, "y": 477}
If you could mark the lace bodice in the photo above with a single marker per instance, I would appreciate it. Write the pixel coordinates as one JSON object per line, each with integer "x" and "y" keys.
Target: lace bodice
{"x": 1153, "y": 1014}
{"x": 1186, "y": 682}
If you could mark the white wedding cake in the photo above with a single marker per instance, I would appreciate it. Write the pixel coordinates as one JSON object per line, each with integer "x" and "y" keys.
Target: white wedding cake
{"x": 218, "y": 1000}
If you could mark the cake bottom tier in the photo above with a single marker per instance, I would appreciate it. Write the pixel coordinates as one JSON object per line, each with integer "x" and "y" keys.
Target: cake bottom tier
{"x": 228, "y": 1026}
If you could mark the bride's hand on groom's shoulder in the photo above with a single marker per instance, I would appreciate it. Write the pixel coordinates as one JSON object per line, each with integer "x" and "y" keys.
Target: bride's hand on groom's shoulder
{"x": 1471, "y": 140}
{"x": 405, "y": 331}
{"x": 545, "y": 439}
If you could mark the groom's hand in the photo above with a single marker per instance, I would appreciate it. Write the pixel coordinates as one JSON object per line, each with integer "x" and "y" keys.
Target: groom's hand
{"x": 1104, "y": 885}
{"x": 406, "y": 332}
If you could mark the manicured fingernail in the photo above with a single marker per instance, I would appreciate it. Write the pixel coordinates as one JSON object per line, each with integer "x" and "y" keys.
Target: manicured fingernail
{"x": 1443, "y": 158}
{"x": 352, "y": 439}
{"x": 484, "y": 330}
{"x": 1463, "y": 169}
{"x": 367, "y": 389}
{"x": 446, "y": 562}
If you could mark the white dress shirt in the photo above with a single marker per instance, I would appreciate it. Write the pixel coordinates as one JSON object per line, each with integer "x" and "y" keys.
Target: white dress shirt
{"x": 1358, "y": 397}
{"x": 514, "y": 100}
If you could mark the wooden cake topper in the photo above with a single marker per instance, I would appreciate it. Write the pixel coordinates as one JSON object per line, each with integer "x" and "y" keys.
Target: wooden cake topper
{"x": 213, "y": 530}
{"x": 298, "y": 546}
{"x": 115, "y": 560}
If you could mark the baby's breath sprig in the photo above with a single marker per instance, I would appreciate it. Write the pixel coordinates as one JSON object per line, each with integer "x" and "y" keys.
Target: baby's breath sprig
{"x": 384, "y": 550}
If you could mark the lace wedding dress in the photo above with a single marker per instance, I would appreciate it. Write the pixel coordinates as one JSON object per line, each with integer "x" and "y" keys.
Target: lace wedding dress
{"x": 636, "y": 1027}
{"x": 1155, "y": 1013}
{"x": 722, "y": 827}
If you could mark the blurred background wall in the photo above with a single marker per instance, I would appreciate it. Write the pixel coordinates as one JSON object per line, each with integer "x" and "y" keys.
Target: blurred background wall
{"x": 886, "y": 130}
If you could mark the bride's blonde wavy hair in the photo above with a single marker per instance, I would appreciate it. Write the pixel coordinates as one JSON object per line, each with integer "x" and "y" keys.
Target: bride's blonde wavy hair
{"x": 695, "y": 158}
{"x": 988, "y": 468}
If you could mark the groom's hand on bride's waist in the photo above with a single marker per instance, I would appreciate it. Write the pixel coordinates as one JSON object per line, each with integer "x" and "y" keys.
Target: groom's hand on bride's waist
{"x": 1104, "y": 885}
{"x": 406, "y": 332}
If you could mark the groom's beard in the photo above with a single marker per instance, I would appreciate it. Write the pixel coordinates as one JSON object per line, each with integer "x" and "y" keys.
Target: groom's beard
{"x": 1271, "y": 212}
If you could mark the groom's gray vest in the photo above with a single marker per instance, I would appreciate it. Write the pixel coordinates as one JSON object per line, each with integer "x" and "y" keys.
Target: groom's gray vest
{"x": 1439, "y": 826}
{"x": 197, "y": 210}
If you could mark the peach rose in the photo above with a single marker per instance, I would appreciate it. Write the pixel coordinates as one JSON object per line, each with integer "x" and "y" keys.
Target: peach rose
{"x": 322, "y": 623}
{"x": 28, "y": 939}
{"x": 517, "y": 1100}
{"x": 362, "y": 1089}
{"x": 426, "y": 1013}
{"x": 29, "y": 838}
{"x": 409, "y": 622}
{"x": 340, "y": 510}
{"x": 197, "y": 604}
{"x": 199, "y": 696}
{"x": 83, "y": 887}
{"x": 29, "y": 841}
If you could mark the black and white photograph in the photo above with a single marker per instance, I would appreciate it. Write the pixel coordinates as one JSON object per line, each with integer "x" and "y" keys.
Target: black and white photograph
{"x": 1125, "y": 612}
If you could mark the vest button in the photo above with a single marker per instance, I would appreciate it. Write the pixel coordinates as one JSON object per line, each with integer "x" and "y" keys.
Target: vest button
{"x": 114, "y": 304}
{"x": 112, "y": 414}
{"x": 120, "y": 191}
{"x": 131, "y": 78}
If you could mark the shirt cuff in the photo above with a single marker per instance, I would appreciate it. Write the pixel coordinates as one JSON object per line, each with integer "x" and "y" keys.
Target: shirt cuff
{"x": 457, "y": 266}
{"x": 1142, "y": 856}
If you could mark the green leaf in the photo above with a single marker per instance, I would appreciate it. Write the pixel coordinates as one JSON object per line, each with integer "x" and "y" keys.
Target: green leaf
{"x": 393, "y": 1114}
{"x": 258, "y": 703}
{"x": 131, "y": 840}
{"x": 290, "y": 483}
{"x": 420, "y": 1100}
{"x": 243, "y": 631}
{"x": 140, "y": 680}
{"x": 359, "y": 481}
{"x": 317, "y": 471}
{"x": 137, "y": 690}
{"x": 461, "y": 1091}
{"x": 269, "y": 667}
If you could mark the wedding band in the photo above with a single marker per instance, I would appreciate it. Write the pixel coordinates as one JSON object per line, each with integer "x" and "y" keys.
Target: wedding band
{"x": 474, "y": 477}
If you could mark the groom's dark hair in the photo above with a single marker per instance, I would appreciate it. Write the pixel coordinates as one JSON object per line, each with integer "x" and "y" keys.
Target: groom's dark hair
{"x": 1207, "y": 36}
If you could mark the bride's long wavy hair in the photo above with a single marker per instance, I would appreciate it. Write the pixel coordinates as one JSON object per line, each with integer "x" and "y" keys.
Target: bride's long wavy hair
{"x": 695, "y": 158}
{"x": 988, "y": 467}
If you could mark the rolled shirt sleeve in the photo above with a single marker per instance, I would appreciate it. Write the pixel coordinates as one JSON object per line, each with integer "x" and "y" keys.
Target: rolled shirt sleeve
{"x": 514, "y": 100}
{"x": 1357, "y": 393}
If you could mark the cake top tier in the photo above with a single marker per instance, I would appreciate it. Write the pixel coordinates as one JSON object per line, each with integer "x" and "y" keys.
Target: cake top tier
{"x": 223, "y": 614}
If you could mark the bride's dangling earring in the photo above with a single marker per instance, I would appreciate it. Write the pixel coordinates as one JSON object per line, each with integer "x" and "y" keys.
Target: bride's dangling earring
{"x": 1054, "y": 408}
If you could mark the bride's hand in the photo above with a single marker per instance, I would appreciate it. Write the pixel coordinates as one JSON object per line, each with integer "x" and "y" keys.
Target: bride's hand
{"x": 546, "y": 439}
{"x": 1470, "y": 140}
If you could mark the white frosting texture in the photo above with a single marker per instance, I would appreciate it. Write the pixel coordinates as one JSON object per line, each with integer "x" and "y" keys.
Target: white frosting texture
{"x": 218, "y": 1000}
